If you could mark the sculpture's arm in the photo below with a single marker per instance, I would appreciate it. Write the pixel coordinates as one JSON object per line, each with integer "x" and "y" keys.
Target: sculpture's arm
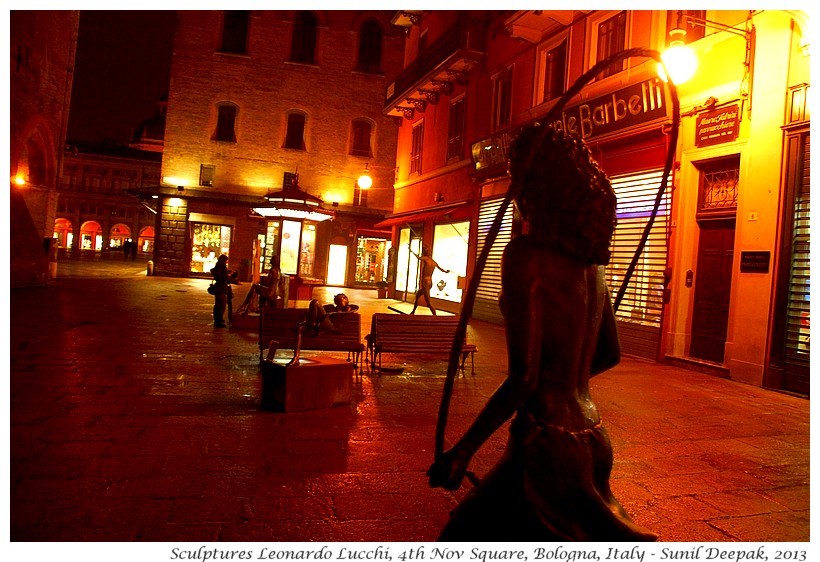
{"x": 523, "y": 311}
{"x": 608, "y": 348}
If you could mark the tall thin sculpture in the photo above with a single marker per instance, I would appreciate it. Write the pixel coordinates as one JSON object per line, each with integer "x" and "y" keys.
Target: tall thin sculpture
{"x": 552, "y": 483}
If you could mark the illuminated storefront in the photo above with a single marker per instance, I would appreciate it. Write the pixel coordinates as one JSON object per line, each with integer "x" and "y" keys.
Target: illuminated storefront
{"x": 91, "y": 236}
{"x": 450, "y": 244}
{"x": 292, "y": 217}
{"x": 208, "y": 242}
{"x": 120, "y": 234}
{"x": 371, "y": 259}
{"x": 450, "y": 249}
{"x": 146, "y": 240}
{"x": 63, "y": 233}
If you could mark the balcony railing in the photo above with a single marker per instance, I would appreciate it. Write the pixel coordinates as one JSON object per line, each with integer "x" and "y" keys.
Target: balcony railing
{"x": 457, "y": 50}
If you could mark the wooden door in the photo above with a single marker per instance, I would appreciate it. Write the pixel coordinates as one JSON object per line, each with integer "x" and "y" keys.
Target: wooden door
{"x": 713, "y": 282}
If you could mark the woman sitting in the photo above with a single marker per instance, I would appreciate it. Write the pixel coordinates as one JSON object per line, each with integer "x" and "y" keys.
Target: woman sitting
{"x": 268, "y": 289}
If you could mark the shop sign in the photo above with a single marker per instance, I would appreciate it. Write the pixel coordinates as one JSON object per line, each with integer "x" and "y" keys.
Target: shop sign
{"x": 717, "y": 126}
{"x": 628, "y": 107}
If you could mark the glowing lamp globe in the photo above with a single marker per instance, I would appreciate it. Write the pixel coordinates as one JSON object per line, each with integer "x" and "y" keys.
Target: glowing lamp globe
{"x": 364, "y": 181}
{"x": 679, "y": 60}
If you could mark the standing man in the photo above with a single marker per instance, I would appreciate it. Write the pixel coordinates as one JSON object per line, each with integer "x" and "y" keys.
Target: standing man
{"x": 428, "y": 266}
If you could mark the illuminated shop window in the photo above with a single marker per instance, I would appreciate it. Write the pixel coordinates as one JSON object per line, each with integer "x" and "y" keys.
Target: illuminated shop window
{"x": 289, "y": 257}
{"x": 337, "y": 264}
{"x": 307, "y": 250}
{"x": 146, "y": 239}
{"x": 91, "y": 236}
{"x": 407, "y": 265}
{"x": 208, "y": 242}
{"x": 63, "y": 232}
{"x": 371, "y": 259}
{"x": 120, "y": 234}
{"x": 270, "y": 248}
{"x": 450, "y": 244}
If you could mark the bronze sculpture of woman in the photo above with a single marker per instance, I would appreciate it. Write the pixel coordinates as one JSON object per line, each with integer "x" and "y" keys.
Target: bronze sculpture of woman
{"x": 552, "y": 482}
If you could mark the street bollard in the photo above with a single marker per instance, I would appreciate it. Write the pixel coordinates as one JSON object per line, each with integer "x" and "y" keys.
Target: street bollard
{"x": 150, "y": 267}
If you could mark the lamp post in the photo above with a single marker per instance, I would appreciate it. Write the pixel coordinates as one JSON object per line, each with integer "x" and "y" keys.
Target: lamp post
{"x": 679, "y": 60}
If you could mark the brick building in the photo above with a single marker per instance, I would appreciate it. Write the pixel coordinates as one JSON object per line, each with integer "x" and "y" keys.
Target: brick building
{"x": 43, "y": 45}
{"x": 257, "y": 100}
{"x": 723, "y": 282}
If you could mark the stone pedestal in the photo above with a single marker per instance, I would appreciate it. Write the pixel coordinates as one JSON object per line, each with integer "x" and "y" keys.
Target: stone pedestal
{"x": 315, "y": 383}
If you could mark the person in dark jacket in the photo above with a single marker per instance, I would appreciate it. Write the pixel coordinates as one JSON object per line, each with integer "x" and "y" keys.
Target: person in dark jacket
{"x": 223, "y": 277}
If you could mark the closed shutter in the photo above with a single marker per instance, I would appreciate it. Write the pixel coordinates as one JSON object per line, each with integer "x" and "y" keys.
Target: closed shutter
{"x": 639, "y": 313}
{"x": 489, "y": 285}
{"x": 797, "y": 324}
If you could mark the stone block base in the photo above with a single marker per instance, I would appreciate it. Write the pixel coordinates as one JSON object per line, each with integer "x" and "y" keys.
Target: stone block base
{"x": 315, "y": 383}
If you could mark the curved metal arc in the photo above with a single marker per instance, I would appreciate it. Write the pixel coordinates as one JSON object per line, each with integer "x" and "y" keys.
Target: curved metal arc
{"x": 469, "y": 298}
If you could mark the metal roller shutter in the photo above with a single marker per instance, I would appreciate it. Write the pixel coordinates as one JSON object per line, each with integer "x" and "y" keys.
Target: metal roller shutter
{"x": 639, "y": 315}
{"x": 489, "y": 286}
{"x": 797, "y": 325}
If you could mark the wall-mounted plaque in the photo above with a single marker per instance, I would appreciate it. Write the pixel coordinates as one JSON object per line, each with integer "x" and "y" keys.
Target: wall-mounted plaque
{"x": 717, "y": 126}
{"x": 754, "y": 262}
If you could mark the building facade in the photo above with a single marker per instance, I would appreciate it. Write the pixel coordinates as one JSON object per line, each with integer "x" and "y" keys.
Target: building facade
{"x": 722, "y": 283}
{"x": 272, "y": 118}
{"x": 96, "y": 214}
{"x": 43, "y": 46}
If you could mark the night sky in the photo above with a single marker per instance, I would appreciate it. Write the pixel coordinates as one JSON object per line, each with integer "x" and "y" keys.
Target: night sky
{"x": 122, "y": 69}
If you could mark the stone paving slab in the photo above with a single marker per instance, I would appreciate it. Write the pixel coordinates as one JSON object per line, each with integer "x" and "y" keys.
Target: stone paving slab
{"x": 133, "y": 419}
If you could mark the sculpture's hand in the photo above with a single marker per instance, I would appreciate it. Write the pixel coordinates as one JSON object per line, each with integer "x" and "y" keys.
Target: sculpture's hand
{"x": 448, "y": 471}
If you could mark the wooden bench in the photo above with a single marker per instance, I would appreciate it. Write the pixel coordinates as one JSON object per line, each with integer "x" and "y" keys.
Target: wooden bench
{"x": 281, "y": 325}
{"x": 406, "y": 333}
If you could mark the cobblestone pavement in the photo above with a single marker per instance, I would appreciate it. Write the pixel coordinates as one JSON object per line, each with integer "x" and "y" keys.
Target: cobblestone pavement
{"x": 133, "y": 419}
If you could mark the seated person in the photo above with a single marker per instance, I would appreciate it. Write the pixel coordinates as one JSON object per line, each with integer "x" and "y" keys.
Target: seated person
{"x": 268, "y": 288}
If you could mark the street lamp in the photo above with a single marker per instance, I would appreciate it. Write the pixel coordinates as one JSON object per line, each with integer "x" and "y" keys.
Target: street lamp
{"x": 365, "y": 181}
{"x": 680, "y": 60}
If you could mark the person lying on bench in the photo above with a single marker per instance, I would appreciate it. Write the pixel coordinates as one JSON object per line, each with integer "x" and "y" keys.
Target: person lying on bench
{"x": 320, "y": 317}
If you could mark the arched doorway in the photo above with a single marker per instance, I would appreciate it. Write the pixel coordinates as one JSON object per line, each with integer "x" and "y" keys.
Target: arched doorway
{"x": 120, "y": 234}
{"x": 91, "y": 236}
{"x": 146, "y": 240}
{"x": 63, "y": 233}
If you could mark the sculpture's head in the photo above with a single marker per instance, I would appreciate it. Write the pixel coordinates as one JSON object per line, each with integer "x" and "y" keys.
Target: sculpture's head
{"x": 563, "y": 194}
